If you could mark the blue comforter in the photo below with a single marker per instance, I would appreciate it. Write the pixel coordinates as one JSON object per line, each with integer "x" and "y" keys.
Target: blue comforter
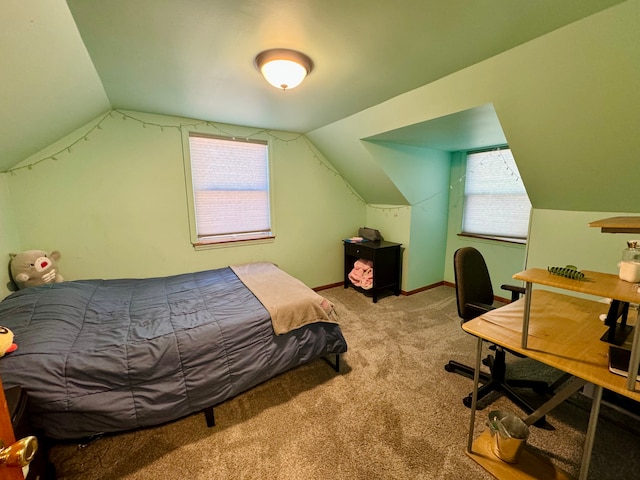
{"x": 100, "y": 356}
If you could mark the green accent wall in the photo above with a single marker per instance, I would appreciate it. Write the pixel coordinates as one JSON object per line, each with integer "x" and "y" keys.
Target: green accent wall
{"x": 560, "y": 238}
{"x": 9, "y": 239}
{"x": 422, "y": 174}
{"x": 568, "y": 105}
{"x": 115, "y": 204}
{"x": 567, "y": 102}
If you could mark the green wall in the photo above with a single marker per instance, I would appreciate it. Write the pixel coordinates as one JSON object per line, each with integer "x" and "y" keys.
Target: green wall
{"x": 394, "y": 224}
{"x": 568, "y": 105}
{"x": 115, "y": 204}
{"x": 422, "y": 174}
{"x": 9, "y": 240}
{"x": 560, "y": 238}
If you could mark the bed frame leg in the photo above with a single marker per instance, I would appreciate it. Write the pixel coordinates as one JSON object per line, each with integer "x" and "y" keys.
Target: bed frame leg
{"x": 335, "y": 365}
{"x": 208, "y": 415}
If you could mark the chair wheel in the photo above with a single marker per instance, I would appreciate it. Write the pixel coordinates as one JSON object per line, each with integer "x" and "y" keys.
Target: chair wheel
{"x": 467, "y": 401}
{"x": 449, "y": 368}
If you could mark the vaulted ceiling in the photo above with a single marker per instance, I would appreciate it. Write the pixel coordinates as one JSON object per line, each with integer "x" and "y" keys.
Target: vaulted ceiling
{"x": 65, "y": 63}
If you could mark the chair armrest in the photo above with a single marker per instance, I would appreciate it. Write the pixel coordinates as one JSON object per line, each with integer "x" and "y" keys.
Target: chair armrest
{"x": 479, "y": 308}
{"x": 515, "y": 291}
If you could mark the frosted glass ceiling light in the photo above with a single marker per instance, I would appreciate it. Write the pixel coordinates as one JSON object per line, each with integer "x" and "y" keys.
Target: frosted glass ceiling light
{"x": 283, "y": 68}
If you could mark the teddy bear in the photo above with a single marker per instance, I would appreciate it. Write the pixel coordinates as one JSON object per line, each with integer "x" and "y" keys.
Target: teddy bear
{"x": 34, "y": 267}
{"x": 6, "y": 341}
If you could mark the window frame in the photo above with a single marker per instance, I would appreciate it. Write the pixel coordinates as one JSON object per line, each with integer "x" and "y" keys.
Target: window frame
{"x": 489, "y": 236}
{"x": 225, "y": 240}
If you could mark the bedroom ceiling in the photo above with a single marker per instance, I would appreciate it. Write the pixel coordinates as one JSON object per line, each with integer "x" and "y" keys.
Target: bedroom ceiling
{"x": 65, "y": 63}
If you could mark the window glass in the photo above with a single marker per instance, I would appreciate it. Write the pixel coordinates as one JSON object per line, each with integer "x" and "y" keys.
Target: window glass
{"x": 495, "y": 200}
{"x": 230, "y": 188}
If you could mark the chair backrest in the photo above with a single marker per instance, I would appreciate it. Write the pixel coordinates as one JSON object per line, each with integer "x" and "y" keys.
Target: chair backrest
{"x": 473, "y": 284}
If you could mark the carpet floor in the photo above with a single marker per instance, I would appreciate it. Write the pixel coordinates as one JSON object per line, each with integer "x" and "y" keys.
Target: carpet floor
{"x": 392, "y": 412}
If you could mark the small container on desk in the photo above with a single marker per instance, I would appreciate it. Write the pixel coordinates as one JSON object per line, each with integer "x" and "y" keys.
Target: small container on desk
{"x": 385, "y": 257}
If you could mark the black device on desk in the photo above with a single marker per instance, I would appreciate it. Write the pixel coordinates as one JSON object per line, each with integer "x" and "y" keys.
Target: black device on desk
{"x": 617, "y": 333}
{"x": 39, "y": 468}
{"x": 619, "y": 359}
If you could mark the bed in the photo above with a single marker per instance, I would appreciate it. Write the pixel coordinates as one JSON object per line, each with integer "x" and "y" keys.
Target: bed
{"x": 104, "y": 356}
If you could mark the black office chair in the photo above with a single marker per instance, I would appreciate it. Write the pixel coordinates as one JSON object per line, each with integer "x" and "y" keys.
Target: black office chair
{"x": 474, "y": 295}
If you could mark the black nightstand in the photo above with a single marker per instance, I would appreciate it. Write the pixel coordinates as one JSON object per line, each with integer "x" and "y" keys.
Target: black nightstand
{"x": 385, "y": 257}
{"x": 39, "y": 468}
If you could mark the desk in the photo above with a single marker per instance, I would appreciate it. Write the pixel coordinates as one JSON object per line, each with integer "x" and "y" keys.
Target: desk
{"x": 565, "y": 334}
{"x": 595, "y": 283}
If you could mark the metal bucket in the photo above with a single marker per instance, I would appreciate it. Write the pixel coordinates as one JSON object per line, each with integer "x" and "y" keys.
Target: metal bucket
{"x": 509, "y": 435}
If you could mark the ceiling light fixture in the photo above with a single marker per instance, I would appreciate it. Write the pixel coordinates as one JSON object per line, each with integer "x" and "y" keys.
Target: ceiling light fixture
{"x": 283, "y": 68}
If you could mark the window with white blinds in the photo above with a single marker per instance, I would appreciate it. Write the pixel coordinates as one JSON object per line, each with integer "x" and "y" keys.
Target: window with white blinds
{"x": 495, "y": 200}
{"x": 230, "y": 188}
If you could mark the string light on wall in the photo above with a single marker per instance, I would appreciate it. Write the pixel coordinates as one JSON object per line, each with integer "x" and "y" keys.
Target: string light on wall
{"x": 223, "y": 129}
{"x": 283, "y": 68}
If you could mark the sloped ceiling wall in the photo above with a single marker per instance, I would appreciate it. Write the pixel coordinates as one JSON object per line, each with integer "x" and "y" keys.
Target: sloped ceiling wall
{"x": 567, "y": 102}
{"x": 49, "y": 86}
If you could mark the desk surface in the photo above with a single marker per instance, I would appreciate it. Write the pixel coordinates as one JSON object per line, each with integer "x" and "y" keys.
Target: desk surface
{"x": 618, "y": 224}
{"x": 595, "y": 283}
{"x": 564, "y": 333}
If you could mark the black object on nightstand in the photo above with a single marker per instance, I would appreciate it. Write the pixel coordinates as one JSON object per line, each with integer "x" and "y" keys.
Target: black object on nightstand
{"x": 39, "y": 468}
{"x": 385, "y": 257}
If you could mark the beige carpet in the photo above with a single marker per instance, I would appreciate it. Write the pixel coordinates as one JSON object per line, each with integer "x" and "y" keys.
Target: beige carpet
{"x": 392, "y": 413}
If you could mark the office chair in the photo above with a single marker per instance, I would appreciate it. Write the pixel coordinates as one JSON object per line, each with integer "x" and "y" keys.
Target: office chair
{"x": 474, "y": 295}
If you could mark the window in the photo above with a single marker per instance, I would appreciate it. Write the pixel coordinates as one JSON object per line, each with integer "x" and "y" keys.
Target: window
{"x": 495, "y": 200}
{"x": 230, "y": 188}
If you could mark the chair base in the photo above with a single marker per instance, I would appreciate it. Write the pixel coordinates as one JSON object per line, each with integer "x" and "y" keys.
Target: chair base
{"x": 496, "y": 382}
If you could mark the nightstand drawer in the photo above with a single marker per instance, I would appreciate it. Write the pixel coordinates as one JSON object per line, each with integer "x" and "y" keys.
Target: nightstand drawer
{"x": 356, "y": 250}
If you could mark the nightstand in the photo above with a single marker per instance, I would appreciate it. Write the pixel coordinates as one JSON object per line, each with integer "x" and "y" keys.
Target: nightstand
{"x": 39, "y": 468}
{"x": 385, "y": 257}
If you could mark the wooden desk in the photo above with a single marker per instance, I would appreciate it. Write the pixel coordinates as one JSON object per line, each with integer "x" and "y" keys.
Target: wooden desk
{"x": 565, "y": 334}
{"x": 595, "y": 283}
{"x": 618, "y": 225}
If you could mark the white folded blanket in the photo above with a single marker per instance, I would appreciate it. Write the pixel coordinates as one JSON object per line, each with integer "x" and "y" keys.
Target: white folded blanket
{"x": 290, "y": 302}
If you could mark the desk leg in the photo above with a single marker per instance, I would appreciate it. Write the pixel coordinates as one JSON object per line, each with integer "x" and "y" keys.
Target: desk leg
{"x": 528, "y": 287}
{"x": 474, "y": 396}
{"x": 591, "y": 432}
